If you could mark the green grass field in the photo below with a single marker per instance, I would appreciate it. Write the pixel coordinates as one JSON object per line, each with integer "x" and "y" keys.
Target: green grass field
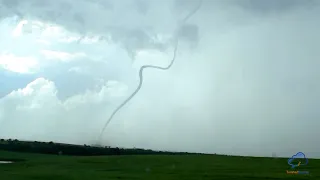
{"x": 148, "y": 167}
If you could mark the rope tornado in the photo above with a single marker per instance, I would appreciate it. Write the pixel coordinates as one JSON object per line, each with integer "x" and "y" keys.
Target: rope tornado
{"x": 149, "y": 66}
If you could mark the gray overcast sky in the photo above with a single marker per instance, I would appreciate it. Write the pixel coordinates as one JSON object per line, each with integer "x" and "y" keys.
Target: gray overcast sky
{"x": 245, "y": 81}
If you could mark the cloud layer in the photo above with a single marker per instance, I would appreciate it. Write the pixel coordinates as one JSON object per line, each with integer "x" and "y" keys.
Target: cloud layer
{"x": 245, "y": 80}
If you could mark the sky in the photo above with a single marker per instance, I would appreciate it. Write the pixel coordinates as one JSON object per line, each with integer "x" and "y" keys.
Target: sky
{"x": 245, "y": 80}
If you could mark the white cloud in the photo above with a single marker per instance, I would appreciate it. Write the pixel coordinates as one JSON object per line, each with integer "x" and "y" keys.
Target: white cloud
{"x": 59, "y": 55}
{"x": 37, "y": 104}
{"x": 18, "y": 64}
{"x": 18, "y": 30}
{"x": 43, "y": 30}
{"x": 36, "y": 45}
{"x": 77, "y": 70}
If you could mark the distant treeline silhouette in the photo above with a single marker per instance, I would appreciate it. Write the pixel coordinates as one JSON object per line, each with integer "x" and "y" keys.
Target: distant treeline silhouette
{"x": 71, "y": 149}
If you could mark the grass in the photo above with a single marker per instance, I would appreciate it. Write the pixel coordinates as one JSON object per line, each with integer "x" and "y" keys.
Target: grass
{"x": 148, "y": 167}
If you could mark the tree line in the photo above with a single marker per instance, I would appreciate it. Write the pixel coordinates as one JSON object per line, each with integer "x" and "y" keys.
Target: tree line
{"x": 71, "y": 149}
